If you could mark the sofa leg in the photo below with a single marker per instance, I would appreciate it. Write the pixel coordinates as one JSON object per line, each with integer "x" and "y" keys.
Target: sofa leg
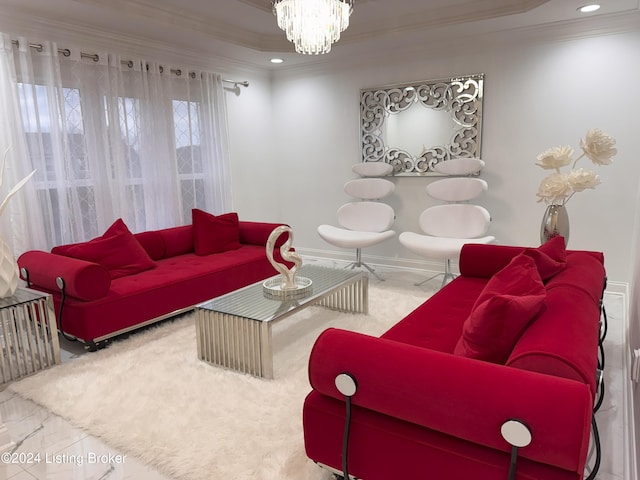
{"x": 92, "y": 346}
{"x": 336, "y": 474}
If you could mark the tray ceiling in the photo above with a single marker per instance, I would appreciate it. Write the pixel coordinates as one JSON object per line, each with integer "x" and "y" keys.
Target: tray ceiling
{"x": 246, "y": 29}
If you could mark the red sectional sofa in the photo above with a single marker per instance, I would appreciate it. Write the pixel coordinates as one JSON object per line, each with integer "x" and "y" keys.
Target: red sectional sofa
{"x": 122, "y": 281}
{"x": 510, "y": 338}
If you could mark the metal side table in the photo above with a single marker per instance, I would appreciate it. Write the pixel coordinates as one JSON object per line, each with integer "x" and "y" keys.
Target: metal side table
{"x": 28, "y": 334}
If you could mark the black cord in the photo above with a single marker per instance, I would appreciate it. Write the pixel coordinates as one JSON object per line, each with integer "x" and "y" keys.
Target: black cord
{"x": 25, "y": 274}
{"x": 605, "y": 324}
{"x": 600, "y": 398}
{"x": 347, "y": 386}
{"x": 596, "y": 441}
{"x": 514, "y": 459}
{"x": 345, "y": 440}
{"x": 63, "y": 297}
{"x": 604, "y": 312}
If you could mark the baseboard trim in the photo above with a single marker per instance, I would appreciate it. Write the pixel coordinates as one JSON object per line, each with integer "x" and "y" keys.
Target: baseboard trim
{"x": 628, "y": 415}
{"x": 429, "y": 267}
{"x": 409, "y": 264}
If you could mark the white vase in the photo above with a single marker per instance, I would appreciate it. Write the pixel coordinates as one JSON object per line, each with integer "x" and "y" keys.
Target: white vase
{"x": 555, "y": 222}
{"x": 9, "y": 274}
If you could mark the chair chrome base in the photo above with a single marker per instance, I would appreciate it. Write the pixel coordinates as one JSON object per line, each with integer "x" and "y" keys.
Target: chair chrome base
{"x": 359, "y": 263}
{"x": 448, "y": 275}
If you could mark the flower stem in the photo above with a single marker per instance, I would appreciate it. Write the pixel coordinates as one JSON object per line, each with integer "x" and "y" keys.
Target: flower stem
{"x": 576, "y": 161}
{"x": 564, "y": 202}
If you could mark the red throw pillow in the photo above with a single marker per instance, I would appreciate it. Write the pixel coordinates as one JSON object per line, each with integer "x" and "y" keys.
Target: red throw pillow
{"x": 214, "y": 234}
{"x": 550, "y": 257}
{"x": 505, "y": 307}
{"x": 117, "y": 250}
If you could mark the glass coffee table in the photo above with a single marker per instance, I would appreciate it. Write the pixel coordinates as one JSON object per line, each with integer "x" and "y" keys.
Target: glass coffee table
{"x": 234, "y": 330}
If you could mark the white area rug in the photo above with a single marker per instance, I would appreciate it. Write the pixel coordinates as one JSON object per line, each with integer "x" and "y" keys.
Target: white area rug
{"x": 150, "y": 397}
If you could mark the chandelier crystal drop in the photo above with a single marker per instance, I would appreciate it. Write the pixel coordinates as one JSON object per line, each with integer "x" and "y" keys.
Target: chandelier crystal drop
{"x": 313, "y": 25}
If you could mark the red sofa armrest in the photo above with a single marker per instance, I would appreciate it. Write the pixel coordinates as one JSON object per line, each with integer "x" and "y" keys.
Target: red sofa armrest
{"x": 458, "y": 396}
{"x": 83, "y": 280}
{"x": 257, "y": 233}
{"x": 485, "y": 260}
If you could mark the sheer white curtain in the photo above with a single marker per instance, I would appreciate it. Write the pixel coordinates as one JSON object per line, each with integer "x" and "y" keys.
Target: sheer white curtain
{"x": 21, "y": 224}
{"x": 114, "y": 137}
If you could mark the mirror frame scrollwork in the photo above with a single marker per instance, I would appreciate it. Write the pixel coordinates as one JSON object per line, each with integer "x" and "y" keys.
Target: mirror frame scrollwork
{"x": 461, "y": 96}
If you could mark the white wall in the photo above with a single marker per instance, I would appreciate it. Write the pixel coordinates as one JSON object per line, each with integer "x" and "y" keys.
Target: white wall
{"x": 537, "y": 95}
{"x": 252, "y": 150}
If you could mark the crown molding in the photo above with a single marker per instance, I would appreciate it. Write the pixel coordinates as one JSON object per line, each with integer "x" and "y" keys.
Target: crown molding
{"x": 211, "y": 54}
{"x": 264, "y": 5}
{"x": 473, "y": 11}
{"x": 569, "y": 30}
{"x": 92, "y": 40}
{"x": 208, "y": 26}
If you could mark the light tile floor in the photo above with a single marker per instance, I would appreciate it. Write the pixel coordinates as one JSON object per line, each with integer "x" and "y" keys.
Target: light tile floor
{"x": 65, "y": 450}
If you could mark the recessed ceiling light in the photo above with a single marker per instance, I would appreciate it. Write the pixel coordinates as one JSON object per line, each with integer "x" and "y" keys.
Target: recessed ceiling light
{"x": 277, "y": 60}
{"x": 589, "y": 8}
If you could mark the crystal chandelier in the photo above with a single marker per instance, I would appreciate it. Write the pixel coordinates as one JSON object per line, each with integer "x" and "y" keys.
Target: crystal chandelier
{"x": 313, "y": 25}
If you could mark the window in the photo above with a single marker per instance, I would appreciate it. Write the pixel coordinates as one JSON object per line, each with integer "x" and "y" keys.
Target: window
{"x": 69, "y": 190}
{"x": 63, "y": 187}
{"x": 186, "y": 120}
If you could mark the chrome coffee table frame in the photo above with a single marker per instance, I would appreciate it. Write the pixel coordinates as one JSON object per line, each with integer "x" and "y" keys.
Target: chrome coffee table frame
{"x": 235, "y": 330}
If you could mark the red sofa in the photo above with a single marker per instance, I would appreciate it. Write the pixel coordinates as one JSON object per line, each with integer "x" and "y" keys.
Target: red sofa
{"x": 122, "y": 281}
{"x": 434, "y": 390}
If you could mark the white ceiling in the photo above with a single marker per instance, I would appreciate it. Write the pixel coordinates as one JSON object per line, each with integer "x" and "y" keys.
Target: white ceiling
{"x": 246, "y": 30}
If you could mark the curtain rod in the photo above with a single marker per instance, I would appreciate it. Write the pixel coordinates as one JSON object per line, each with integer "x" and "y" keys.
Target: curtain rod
{"x": 129, "y": 63}
{"x": 236, "y": 83}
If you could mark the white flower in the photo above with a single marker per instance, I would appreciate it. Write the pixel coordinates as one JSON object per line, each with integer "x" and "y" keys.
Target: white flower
{"x": 555, "y": 158}
{"x": 598, "y": 147}
{"x": 555, "y": 189}
{"x": 559, "y": 187}
{"x": 582, "y": 179}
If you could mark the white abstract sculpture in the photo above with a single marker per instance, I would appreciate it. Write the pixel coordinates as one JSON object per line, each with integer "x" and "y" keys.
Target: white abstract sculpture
{"x": 288, "y": 274}
{"x": 9, "y": 274}
{"x": 285, "y": 285}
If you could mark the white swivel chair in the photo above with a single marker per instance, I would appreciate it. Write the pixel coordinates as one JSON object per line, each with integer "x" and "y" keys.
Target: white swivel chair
{"x": 460, "y": 166}
{"x": 367, "y": 222}
{"x": 447, "y": 227}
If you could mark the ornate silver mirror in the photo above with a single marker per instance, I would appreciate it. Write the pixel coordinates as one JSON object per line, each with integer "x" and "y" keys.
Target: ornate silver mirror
{"x": 415, "y": 126}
